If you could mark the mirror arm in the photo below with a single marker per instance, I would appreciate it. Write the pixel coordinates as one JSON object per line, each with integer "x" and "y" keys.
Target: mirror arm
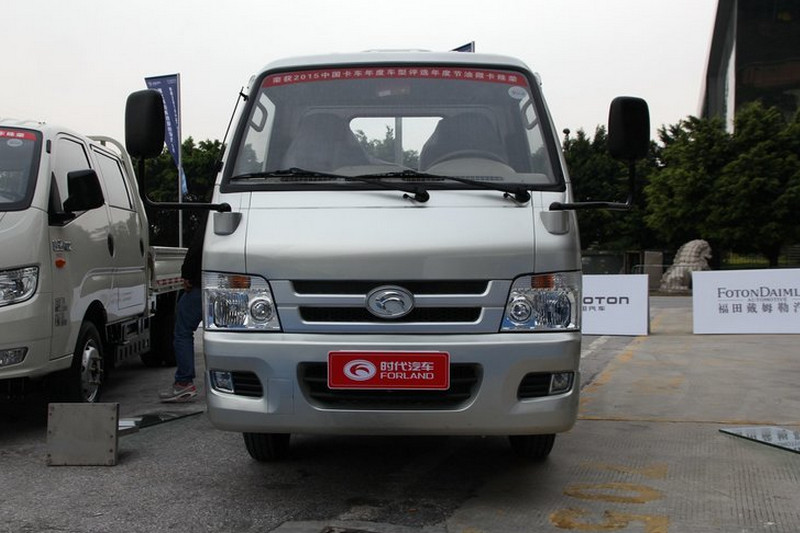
{"x": 615, "y": 206}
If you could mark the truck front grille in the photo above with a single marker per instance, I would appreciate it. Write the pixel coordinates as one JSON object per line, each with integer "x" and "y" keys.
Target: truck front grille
{"x": 424, "y": 314}
{"x": 464, "y": 382}
{"x": 417, "y": 287}
{"x": 440, "y": 306}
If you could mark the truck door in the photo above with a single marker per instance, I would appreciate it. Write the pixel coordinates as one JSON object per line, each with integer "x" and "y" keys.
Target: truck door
{"x": 80, "y": 251}
{"x": 125, "y": 238}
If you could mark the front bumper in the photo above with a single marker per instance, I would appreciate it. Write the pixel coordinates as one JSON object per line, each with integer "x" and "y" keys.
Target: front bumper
{"x": 493, "y": 407}
{"x": 29, "y": 325}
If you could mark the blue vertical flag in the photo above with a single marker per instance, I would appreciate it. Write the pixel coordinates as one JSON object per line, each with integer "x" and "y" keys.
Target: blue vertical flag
{"x": 170, "y": 88}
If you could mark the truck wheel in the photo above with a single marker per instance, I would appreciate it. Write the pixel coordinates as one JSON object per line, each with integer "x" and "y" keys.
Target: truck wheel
{"x": 266, "y": 447}
{"x": 532, "y": 447}
{"x": 83, "y": 381}
{"x": 162, "y": 353}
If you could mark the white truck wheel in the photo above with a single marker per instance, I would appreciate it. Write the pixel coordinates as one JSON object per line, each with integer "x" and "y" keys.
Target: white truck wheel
{"x": 84, "y": 379}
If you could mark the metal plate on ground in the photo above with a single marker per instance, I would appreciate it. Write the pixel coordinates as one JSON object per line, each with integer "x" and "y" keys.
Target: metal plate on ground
{"x": 82, "y": 434}
{"x": 787, "y": 439}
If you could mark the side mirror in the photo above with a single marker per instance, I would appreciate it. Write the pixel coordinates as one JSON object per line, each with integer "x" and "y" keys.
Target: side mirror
{"x": 144, "y": 124}
{"x": 629, "y": 140}
{"x": 628, "y": 128}
{"x": 85, "y": 192}
{"x": 144, "y": 139}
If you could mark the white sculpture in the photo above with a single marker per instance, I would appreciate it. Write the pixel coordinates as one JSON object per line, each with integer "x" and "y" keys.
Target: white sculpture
{"x": 693, "y": 255}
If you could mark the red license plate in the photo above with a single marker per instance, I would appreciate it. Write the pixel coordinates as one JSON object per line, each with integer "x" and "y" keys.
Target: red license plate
{"x": 389, "y": 370}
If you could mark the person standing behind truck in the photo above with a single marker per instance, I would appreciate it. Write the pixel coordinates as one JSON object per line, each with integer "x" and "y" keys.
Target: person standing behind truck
{"x": 188, "y": 315}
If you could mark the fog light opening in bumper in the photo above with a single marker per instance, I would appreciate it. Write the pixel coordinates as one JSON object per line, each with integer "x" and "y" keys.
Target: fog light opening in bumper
{"x": 222, "y": 381}
{"x": 12, "y": 356}
{"x": 561, "y": 382}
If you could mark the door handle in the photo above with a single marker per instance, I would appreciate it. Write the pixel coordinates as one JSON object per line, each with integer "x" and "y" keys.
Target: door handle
{"x": 110, "y": 242}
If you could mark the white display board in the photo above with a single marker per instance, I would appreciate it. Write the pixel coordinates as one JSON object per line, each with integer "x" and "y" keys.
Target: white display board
{"x": 615, "y": 305}
{"x": 746, "y": 301}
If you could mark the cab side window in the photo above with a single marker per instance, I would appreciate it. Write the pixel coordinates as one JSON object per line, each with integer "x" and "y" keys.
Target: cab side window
{"x": 112, "y": 174}
{"x": 70, "y": 155}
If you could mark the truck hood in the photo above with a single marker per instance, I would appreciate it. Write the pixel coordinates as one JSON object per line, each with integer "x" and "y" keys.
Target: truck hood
{"x": 371, "y": 235}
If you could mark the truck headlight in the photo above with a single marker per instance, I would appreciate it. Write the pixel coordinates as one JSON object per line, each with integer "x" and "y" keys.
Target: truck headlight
{"x": 18, "y": 285}
{"x": 545, "y": 302}
{"x": 238, "y": 302}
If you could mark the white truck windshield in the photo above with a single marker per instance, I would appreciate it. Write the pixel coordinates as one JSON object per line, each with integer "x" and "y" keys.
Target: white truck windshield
{"x": 19, "y": 151}
{"x": 478, "y": 123}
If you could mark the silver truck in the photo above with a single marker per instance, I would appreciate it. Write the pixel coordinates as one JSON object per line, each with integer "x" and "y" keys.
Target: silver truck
{"x": 81, "y": 289}
{"x": 401, "y": 253}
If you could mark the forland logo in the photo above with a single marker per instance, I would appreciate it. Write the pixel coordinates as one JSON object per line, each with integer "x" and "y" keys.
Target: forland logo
{"x": 360, "y": 370}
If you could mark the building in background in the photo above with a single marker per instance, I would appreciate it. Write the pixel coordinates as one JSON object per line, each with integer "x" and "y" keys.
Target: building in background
{"x": 755, "y": 55}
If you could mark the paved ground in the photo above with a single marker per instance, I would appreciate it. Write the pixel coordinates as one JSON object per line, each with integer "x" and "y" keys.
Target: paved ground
{"x": 646, "y": 455}
{"x": 647, "y": 451}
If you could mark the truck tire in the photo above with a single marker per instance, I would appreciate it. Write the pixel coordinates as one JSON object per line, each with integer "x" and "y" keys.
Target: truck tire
{"x": 267, "y": 447}
{"x": 83, "y": 381}
{"x": 162, "y": 353}
{"x": 532, "y": 447}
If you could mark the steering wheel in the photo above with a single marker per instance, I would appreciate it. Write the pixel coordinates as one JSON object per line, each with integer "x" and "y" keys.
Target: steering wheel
{"x": 463, "y": 154}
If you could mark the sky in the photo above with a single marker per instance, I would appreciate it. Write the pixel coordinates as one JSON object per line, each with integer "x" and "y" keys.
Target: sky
{"x": 74, "y": 62}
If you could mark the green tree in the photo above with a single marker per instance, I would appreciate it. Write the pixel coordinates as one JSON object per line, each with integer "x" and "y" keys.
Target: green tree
{"x": 738, "y": 191}
{"x": 757, "y": 195}
{"x": 691, "y": 157}
{"x": 200, "y": 161}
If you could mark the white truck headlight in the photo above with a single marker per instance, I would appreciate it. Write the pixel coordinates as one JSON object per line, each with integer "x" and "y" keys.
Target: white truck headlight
{"x": 238, "y": 302}
{"x": 544, "y": 302}
{"x": 18, "y": 285}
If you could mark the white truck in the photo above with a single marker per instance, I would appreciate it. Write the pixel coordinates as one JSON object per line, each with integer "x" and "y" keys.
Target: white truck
{"x": 401, "y": 254}
{"x": 81, "y": 289}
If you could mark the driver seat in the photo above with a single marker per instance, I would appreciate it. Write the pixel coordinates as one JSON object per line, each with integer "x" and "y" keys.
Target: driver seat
{"x": 464, "y": 132}
{"x": 324, "y": 142}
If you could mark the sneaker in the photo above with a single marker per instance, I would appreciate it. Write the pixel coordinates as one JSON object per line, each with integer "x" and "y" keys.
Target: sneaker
{"x": 179, "y": 392}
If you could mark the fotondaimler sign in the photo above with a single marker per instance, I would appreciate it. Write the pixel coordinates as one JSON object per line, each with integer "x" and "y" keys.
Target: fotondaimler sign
{"x": 746, "y": 301}
{"x": 761, "y": 293}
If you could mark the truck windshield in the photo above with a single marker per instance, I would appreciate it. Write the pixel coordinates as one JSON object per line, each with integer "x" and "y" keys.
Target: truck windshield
{"x": 478, "y": 123}
{"x": 19, "y": 156}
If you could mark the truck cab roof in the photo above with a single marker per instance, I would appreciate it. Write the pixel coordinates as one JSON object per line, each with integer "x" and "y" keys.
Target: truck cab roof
{"x": 46, "y": 129}
{"x": 375, "y": 57}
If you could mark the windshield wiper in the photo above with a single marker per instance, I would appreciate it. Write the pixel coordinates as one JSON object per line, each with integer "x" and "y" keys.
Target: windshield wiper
{"x": 519, "y": 192}
{"x": 420, "y": 194}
